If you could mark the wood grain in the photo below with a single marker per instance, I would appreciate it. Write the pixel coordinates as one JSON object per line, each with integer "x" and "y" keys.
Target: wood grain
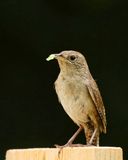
{"x": 68, "y": 153}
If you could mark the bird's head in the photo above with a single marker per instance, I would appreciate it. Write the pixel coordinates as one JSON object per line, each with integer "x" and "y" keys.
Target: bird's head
{"x": 70, "y": 60}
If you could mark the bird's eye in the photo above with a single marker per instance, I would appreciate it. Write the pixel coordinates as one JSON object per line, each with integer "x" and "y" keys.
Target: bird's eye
{"x": 72, "y": 58}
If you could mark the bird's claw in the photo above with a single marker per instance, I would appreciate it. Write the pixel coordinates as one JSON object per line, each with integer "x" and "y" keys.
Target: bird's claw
{"x": 73, "y": 145}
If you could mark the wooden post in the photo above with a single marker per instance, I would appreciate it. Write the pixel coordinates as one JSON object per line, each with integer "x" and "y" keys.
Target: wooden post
{"x": 67, "y": 153}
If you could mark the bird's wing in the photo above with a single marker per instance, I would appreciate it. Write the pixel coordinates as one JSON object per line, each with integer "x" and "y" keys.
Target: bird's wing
{"x": 97, "y": 99}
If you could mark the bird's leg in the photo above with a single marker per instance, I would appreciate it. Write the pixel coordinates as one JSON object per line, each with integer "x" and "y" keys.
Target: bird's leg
{"x": 93, "y": 135}
{"x": 70, "y": 141}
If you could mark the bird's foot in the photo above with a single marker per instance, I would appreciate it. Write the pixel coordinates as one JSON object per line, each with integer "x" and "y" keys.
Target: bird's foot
{"x": 68, "y": 145}
{"x": 73, "y": 145}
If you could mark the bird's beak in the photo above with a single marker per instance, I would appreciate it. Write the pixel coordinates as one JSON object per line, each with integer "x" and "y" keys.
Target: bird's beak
{"x": 54, "y": 56}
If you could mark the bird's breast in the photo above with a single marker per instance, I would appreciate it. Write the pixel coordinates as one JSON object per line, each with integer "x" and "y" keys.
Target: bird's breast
{"x": 74, "y": 97}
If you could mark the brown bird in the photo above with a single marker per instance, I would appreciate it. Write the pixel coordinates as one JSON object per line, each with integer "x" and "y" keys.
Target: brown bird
{"x": 80, "y": 97}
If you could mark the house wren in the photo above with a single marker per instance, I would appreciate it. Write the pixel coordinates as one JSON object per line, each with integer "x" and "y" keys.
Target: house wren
{"x": 79, "y": 95}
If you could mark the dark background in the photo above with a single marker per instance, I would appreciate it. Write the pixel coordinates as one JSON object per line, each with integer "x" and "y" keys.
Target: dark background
{"x": 30, "y": 115}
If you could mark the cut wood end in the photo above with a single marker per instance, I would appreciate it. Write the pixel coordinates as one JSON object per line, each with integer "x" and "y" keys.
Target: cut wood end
{"x": 67, "y": 153}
